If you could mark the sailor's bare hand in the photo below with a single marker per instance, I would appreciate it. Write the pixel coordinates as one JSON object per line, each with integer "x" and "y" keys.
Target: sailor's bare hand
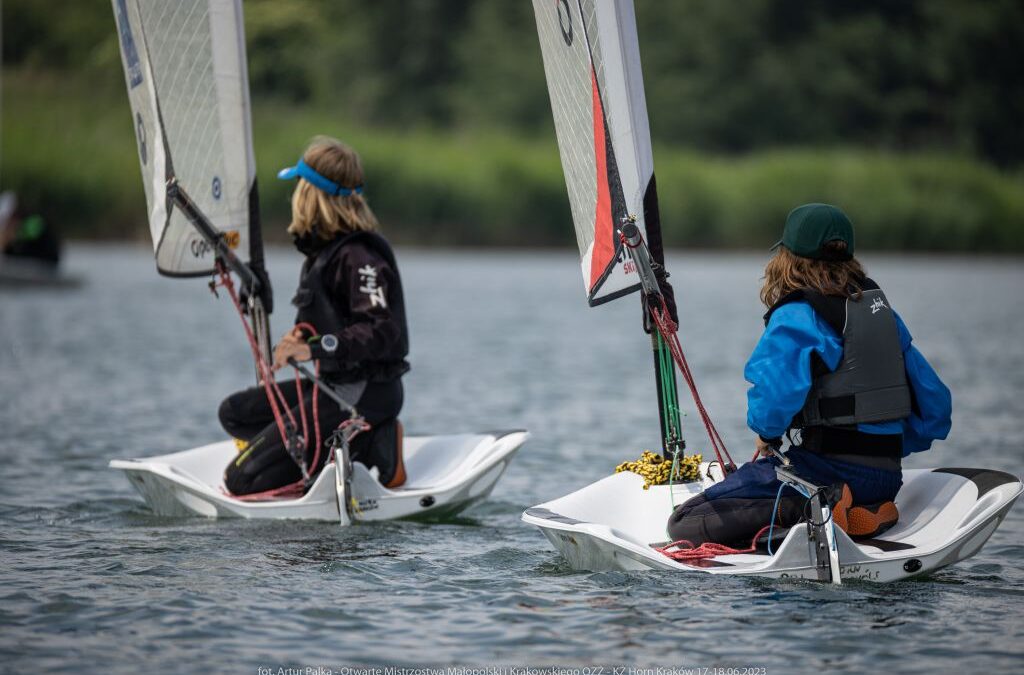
{"x": 290, "y": 347}
{"x": 764, "y": 449}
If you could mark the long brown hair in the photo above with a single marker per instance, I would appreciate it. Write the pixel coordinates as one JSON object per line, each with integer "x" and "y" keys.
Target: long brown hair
{"x": 787, "y": 272}
{"x": 331, "y": 215}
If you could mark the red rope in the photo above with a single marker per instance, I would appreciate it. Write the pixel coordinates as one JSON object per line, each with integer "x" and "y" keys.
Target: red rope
{"x": 708, "y": 549}
{"x": 316, "y": 393}
{"x": 266, "y": 374}
{"x": 291, "y": 491}
{"x": 297, "y": 489}
{"x": 277, "y": 401}
{"x": 668, "y": 330}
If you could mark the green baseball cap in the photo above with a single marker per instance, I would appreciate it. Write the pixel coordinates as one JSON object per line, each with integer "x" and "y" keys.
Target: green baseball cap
{"x": 811, "y": 226}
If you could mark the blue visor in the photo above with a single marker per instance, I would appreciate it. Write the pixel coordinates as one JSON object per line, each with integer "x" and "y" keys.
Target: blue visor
{"x": 303, "y": 170}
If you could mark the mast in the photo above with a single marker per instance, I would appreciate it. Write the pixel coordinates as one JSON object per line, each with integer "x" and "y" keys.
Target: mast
{"x": 261, "y": 299}
{"x": 664, "y": 368}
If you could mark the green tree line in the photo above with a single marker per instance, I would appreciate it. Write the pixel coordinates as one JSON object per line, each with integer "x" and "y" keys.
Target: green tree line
{"x": 730, "y": 75}
{"x": 752, "y": 103}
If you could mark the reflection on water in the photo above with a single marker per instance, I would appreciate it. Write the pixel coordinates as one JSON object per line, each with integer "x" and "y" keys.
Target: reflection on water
{"x": 134, "y": 364}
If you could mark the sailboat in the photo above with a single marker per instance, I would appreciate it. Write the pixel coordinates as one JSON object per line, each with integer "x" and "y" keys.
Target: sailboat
{"x": 186, "y": 73}
{"x": 592, "y": 65}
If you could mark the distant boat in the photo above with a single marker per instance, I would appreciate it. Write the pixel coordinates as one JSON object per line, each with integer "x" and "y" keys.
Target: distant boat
{"x": 29, "y": 250}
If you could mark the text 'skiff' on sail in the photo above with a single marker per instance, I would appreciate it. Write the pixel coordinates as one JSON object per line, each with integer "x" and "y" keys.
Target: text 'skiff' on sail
{"x": 592, "y": 65}
{"x": 185, "y": 68}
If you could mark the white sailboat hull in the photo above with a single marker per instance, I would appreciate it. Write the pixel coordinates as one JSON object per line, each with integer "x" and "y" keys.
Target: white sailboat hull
{"x": 446, "y": 474}
{"x": 946, "y": 515}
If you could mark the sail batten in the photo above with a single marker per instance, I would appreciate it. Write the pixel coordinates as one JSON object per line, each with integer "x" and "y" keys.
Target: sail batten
{"x": 592, "y": 66}
{"x": 185, "y": 69}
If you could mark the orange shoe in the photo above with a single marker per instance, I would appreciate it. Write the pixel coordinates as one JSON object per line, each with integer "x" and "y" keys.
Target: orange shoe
{"x": 841, "y": 509}
{"x": 865, "y": 520}
{"x": 398, "y": 479}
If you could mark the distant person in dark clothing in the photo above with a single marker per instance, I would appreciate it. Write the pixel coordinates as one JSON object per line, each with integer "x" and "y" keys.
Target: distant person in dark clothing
{"x": 350, "y": 293}
{"x": 26, "y": 237}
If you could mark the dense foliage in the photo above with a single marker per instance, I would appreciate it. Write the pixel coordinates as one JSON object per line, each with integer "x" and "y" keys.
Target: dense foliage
{"x": 892, "y": 107}
{"x": 728, "y": 75}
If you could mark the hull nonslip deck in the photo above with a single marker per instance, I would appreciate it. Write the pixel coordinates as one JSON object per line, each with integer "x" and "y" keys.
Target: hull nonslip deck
{"x": 446, "y": 474}
{"x": 946, "y": 515}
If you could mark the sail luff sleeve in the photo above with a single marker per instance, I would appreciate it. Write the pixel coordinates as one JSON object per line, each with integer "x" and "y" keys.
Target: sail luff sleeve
{"x": 142, "y": 101}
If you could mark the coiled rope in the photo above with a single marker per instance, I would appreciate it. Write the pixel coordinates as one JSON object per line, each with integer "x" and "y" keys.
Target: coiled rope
{"x": 656, "y": 470}
{"x": 684, "y": 550}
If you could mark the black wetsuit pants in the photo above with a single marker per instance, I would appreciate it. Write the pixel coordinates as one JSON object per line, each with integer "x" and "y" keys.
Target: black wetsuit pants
{"x": 732, "y": 521}
{"x": 731, "y": 512}
{"x": 265, "y": 464}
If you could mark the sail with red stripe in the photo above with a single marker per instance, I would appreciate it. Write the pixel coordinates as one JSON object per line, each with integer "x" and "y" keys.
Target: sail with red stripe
{"x": 592, "y": 65}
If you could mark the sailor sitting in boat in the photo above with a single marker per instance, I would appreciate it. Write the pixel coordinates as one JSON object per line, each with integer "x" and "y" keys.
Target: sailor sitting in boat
{"x": 835, "y": 363}
{"x": 351, "y": 320}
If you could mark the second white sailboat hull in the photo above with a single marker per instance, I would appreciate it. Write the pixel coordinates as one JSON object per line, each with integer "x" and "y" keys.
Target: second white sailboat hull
{"x": 446, "y": 474}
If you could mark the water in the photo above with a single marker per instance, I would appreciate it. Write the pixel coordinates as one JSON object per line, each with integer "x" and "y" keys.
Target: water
{"x": 133, "y": 364}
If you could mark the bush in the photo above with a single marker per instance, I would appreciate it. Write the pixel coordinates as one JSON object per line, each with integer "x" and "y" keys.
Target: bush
{"x": 70, "y": 153}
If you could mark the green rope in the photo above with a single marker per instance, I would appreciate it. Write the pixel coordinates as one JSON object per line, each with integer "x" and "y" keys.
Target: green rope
{"x": 666, "y": 414}
{"x": 671, "y": 423}
{"x": 672, "y": 427}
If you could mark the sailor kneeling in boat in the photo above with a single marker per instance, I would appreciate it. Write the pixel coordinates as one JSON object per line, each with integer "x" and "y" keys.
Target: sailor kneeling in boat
{"x": 835, "y": 364}
{"x": 351, "y": 320}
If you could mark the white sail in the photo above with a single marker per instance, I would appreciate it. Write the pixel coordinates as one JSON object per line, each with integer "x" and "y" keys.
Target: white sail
{"x": 185, "y": 67}
{"x": 592, "y": 64}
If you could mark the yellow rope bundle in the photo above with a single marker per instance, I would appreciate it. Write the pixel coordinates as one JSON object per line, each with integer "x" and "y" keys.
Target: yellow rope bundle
{"x": 655, "y": 469}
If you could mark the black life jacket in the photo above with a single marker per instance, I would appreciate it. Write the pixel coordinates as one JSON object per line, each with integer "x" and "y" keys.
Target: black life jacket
{"x": 869, "y": 385}
{"x": 314, "y": 302}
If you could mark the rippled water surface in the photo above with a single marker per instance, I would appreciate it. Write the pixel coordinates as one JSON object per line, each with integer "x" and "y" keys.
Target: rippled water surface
{"x": 133, "y": 364}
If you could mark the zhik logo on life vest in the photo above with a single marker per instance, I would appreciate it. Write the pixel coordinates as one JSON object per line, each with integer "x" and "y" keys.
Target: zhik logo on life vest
{"x": 877, "y": 304}
{"x": 368, "y": 279}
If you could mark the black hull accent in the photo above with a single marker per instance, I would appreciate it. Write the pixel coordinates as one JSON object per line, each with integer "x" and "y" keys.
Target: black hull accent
{"x": 985, "y": 479}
